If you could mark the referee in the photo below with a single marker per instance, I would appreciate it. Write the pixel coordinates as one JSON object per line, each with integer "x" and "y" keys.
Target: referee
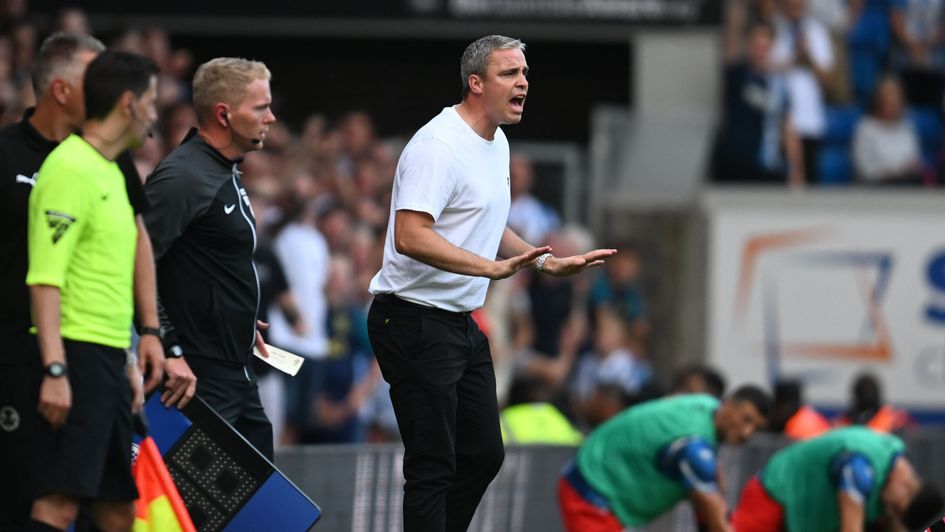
{"x": 82, "y": 239}
{"x": 57, "y": 82}
{"x": 204, "y": 235}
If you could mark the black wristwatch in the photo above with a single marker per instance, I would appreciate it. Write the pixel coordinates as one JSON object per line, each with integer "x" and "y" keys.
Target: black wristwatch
{"x": 55, "y": 370}
{"x": 173, "y": 351}
{"x": 153, "y": 331}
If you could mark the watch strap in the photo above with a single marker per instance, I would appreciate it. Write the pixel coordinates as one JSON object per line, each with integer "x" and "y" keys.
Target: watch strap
{"x": 55, "y": 369}
{"x": 153, "y": 331}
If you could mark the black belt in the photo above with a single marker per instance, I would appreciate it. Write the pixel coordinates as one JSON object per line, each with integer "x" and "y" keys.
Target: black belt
{"x": 393, "y": 301}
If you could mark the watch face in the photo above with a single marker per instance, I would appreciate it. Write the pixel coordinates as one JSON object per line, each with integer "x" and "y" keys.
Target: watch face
{"x": 56, "y": 369}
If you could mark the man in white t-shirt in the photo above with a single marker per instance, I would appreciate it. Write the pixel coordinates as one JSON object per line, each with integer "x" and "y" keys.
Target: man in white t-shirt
{"x": 802, "y": 51}
{"x": 447, "y": 238}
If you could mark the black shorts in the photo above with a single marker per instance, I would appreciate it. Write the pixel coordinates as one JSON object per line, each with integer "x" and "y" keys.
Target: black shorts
{"x": 90, "y": 456}
{"x": 19, "y": 395}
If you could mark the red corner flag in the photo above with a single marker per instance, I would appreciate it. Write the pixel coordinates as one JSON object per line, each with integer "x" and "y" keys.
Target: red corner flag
{"x": 159, "y": 506}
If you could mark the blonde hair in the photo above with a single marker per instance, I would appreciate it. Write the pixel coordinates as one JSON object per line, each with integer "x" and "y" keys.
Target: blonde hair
{"x": 224, "y": 79}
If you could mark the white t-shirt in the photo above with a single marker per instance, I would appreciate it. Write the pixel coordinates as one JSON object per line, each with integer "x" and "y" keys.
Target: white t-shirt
{"x": 304, "y": 256}
{"x": 884, "y": 150}
{"x": 462, "y": 180}
{"x": 808, "y": 112}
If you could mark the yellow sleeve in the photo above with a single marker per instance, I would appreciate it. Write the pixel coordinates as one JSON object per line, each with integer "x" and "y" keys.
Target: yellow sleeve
{"x": 58, "y": 212}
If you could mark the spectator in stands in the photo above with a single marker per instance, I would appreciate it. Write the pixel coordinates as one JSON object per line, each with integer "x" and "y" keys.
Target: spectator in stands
{"x": 531, "y": 418}
{"x": 304, "y": 255}
{"x": 274, "y": 290}
{"x": 639, "y": 464}
{"x": 839, "y": 17}
{"x": 617, "y": 289}
{"x": 802, "y": 51}
{"x": 610, "y": 364}
{"x": 867, "y": 408}
{"x": 790, "y": 416}
{"x": 885, "y": 145}
{"x": 8, "y": 91}
{"x": 756, "y": 141}
{"x": 350, "y": 370}
{"x": 742, "y": 15}
{"x": 846, "y": 479}
{"x": 698, "y": 378}
{"x": 919, "y": 27}
{"x": 527, "y": 214}
{"x": 74, "y": 20}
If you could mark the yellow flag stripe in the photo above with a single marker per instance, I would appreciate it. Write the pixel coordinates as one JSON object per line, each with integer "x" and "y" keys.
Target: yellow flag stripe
{"x": 161, "y": 517}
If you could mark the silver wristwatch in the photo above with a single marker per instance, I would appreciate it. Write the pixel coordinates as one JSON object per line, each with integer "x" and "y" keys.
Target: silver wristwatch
{"x": 540, "y": 262}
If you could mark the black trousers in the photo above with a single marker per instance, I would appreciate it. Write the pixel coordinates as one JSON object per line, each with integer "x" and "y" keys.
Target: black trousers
{"x": 238, "y": 403}
{"x": 442, "y": 382}
{"x": 19, "y": 395}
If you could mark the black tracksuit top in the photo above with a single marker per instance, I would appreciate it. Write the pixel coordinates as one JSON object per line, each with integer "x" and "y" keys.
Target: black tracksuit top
{"x": 204, "y": 235}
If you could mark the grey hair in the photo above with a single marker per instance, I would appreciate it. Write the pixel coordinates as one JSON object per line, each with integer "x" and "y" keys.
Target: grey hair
{"x": 476, "y": 57}
{"x": 57, "y": 58}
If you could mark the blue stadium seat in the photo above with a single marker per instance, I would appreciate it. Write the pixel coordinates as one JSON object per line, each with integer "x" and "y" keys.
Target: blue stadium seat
{"x": 928, "y": 125}
{"x": 836, "y": 168}
{"x": 868, "y": 44}
{"x": 872, "y": 30}
{"x": 841, "y": 123}
{"x": 865, "y": 67}
{"x": 835, "y": 165}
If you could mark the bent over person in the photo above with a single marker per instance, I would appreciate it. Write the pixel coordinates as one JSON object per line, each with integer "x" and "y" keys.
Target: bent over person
{"x": 640, "y": 463}
{"x": 82, "y": 239}
{"x": 449, "y": 206}
{"x": 846, "y": 480}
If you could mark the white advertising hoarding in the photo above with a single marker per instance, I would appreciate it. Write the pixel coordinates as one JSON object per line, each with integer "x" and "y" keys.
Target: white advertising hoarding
{"x": 819, "y": 294}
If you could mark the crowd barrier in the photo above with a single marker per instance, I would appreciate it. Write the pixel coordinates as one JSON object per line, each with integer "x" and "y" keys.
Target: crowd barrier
{"x": 360, "y": 487}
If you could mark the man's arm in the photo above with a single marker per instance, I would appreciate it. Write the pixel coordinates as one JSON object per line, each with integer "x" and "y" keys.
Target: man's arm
{"x": 181, "y": 383}
{"x": 852, "y": 474}
{"x": 691, "y": 462}
{"x": 55, "y": 394}
{"x": 414, "y": 236}
{"x": 512, "y": 245}
{"x": 795, "y": 155}
{"x": 176, "y": 197}
{"x": 150, "y": 350}
{"x": 851, "y": 513}
{"x": 712, "y": 508}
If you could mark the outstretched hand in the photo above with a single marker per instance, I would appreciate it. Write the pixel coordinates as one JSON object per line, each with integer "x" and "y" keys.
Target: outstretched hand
{"x": 564, "y": 266}
{"x": 505, "y": 268}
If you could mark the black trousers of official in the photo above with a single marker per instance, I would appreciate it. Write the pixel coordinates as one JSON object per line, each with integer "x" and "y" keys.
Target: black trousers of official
{"x": 442, "y": 382}
{"x": 237, "y": 401}
{"x": 19, "y": 395}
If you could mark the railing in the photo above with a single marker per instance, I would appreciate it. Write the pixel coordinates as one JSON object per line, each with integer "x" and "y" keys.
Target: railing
{"x": 360, "y": 487}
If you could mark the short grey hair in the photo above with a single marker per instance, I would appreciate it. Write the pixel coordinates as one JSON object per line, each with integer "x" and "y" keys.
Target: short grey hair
{"x": 476, "y": 57}
{"x": 57, "y": 58}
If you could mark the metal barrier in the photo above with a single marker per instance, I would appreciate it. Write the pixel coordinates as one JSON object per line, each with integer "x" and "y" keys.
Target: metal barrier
{"x": 360, "y": 487}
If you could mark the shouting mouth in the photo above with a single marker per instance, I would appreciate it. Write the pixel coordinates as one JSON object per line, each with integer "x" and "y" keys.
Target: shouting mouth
{"x": 518, "y": 103}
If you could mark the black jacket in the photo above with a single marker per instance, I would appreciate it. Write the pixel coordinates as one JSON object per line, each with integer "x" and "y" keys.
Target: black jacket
{"x": 22, "y": 152}
{"x": 204, "y": 235}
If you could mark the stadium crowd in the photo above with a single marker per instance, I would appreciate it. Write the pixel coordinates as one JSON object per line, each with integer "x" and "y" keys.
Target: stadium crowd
{"x": 832, "y": 92}
{"x": 321, "y": 197}
{"x": 569, "y": 353}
